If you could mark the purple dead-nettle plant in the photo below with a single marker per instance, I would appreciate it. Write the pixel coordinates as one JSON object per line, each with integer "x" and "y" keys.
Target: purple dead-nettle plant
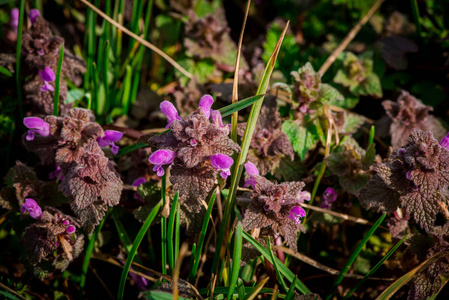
{"x": 47, "y": 76}
{"x": 404, "y": 115}
{"x": 445, "y": 142}
{"x": 14, "y": 21}
{"x": 34, "y": 13}
{"x": 87, "y": 176}
{"x": 110, "y": 137}
{"x": 52, "y": 242}
{"x": 196, "y": 150}
{"x": 274, "y": 208}
{"x": 329, "y": 196}
{"x": 414, "y": 178}
{"x": 36, "y": 125}
{"x": 269, "y": 144}
{"x": 139, "y": 181}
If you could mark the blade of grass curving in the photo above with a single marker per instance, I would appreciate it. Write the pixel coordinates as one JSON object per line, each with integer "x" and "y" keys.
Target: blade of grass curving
{"x": 130, "y": 148}
{"x": 395, "y": 286}
{"x": 377, "y": 266}
{"x": 291, "y": 291}
{"x": 276, "y": 268}
{"x": 256, "y": 289}
{"x": 444, "y": 281}
{"x": 241, "y": 289}
{"x": 234, "y": 107}
{"x": 140, "y": 40}
{"x": 123, "y": 235}
{"x": 170, "y": 242}
{"x": 241, "y": 158}
{"x": 134, "y": 248}
{"x": 235, "y": 85}
{"x": 192, "y": 257}
{"x": 354, "y": 255}
{"x": 282, "y": 268}
{"x": 372, "y": 132}
{"x": 18, "y": 61}
{"x": 164, "y": 226}
{"x": 88, "y": 254}
{"x": 236, "y": 258}
{"x": 5, "y": 71}
{"x": 197, "y": 254}
{"x": 58, "y": 81}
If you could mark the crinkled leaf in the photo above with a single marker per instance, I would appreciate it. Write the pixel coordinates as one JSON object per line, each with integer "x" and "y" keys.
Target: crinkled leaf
{"x": 372, "y": 85}
{"x": 302, "y": 139}
{"x": 377, "y": 195}
{"x": 329, "y": 93}
{"x": 352, "y": 123}
{"x": 422, "y": 209}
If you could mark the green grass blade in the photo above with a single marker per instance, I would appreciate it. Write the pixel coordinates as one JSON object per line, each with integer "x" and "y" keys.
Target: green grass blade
{"x": 371, "y": 135}
{"x": 192, "y": 257}
{"x": 223, "y": 290}
{"x": 416, "y": 17}
{"x": 256, "y": 289}
{"x": 354, "y": 255}
{"x": 58, "y": 81}
{"x": 197, "y": 254}
{"x": 395, "y": 286}
{"x": 238, "y": 164}
{"x": 5, "y": 71}
{"x": 231, "y": 108}
{"x": 282, "y": 268}
{"x": 291, "y": 291}
{"x": 158, "y": 295}
{"x": 127, "y": 89}
{"x": 105, "y": 71}
{"x": 89, "y": 38}
{"x": 236, "y": 257}
{"x": 177, "y": 230}
{"x": 170, "y": 229}
{"x": 276, "y": 267}
{"x": 18, "y": 60}
{"x": 164, "y": 226}
{"x": 241, "y": 289}
{"x": 136, "y": 245}
{"x": 377, "y": 266}
{"x": 87, "y": 256}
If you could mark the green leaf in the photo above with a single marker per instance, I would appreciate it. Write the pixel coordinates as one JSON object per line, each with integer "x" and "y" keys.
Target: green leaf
{"x": 230, "y": 109}
{"x": 372, "y": 85}
{"x": 5, "y": 71}
{"x": 301, "y": 138}
{"x": 58, "y": 82}
{"x": 159, "y": 295}
{"x": 236, "y": 258}
{"x": 368, "y": 158}
{"x": 329, "y": 93}
{"x": 202, "y": 69}
{"x": 352, "y": 123}
{"x": 74, "y": 95}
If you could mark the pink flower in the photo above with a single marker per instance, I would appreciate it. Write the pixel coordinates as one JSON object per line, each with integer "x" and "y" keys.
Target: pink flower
{"x": 222, "y": 163}
{"x": 251, "y": 169}
{"x": 56, "y": 174}
{"x": 205, "y": 104}
{"x": 32, "y": 208}
{"x": 161, "y": 157}
{"x": 169, "y": 110}
{"x": 34, "y": 13}
{"x": 445, "y": 142}
{"x": 329, "y": 196}
{"x": 215, "y": 117}
{"x": 14, "y": 21}
{"x": 296, "y": 213}
{"x": 110, "y": 136}
{"x": 47, "y": 75}
{"x": 36, "y": 125}
{"x": 137, "y": 183}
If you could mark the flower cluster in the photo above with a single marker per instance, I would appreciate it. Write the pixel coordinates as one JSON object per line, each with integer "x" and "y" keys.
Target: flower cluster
{"x": 274, "y": 209}
{"x": 195, "y": 149}
{"x": 404, "y": 115}
{"x": 51, "y": 242}
{"x": 72, "y": 144}
{"x": 329, "y": 196}
{"x": 414, "y": 178}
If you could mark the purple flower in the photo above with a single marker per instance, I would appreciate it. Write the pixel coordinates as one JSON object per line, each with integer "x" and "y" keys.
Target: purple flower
{"x": 222, "y": 163}
{"x": 138, "y": 182}
{"x": 70, "y": 229}
{"x": 47, "y": 75}
{"x": 34, "y": 13}
{"x": 56, "y": 174}
{"x": 110, "y": 136}
{"x": 445, "y": 142}
{"x": 161, "y": 157}
{"x": 330, "y": 195}
{"x": 169, "y": 110}
{"x": 215, "y": 117}
{"x": 32, "y": 208}
{"x": 14, "y": 22}
{"x": 205, "y": 104}
{"x": 296, "y": 213}
{"x": 251, "y": 170}
{"x": 36, "y": 125}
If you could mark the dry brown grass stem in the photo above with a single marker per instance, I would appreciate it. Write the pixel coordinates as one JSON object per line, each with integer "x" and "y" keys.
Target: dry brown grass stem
{"x": 139, "y": 39}
{"x": 349, "y": 37}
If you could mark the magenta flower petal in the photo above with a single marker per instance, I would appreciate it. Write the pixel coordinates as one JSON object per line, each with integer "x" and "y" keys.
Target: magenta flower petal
{"x": 296, "y": 213}
{"x": 222, "y": 163}
{"x": 304, "y": 195}
{"x": 56, "y": 174}
{"x": 161, "y": 157}
{"x": 47, "y": 87}
{"x": 34, "y": 13}
{"x": 14, "y": 21}
{"x": 445, "y": 142}
{"x": 36, "y": 125}
{"x": 251, "y": 168}
{"x": 70, "y": 229}
{"x": 329, "y": 195}
{"x": 215, "y": 117}
{"x": 32, "y": 208}
{"x": 47, "y": 74}
{"x": 139, "y": 181}
{"x": 169, "y": 110}
{"x": 205, "y": 104}
{"x": 112, "y": 135}
{"x": 114, "y": 149}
